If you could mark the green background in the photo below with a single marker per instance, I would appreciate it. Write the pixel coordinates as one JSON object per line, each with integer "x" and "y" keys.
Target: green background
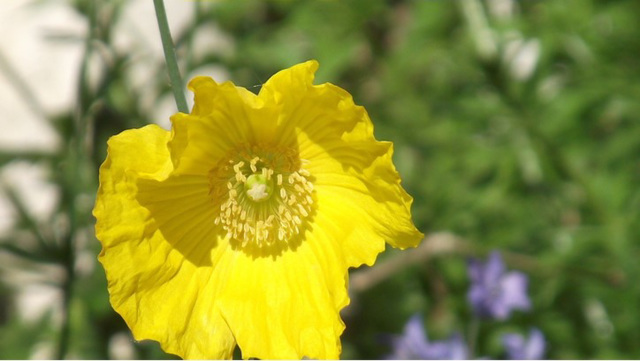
{"x": 513, "y": 130}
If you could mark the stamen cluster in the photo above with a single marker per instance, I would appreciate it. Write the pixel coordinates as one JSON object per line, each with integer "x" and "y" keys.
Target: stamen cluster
{"x": 262, "y": 194}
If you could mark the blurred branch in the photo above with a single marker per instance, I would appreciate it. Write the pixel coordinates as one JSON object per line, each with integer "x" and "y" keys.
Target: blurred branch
{"x": 26, "y": 217}
{"x": 479, "y": 29}
{"x": 77, "y": 158}
{"x": 31, "y": 156}
{"x": 21, "y": 86}
{"x": 445, "y": 243}
{"x": 436, "y": 244}
{"x": 7, "y": 246}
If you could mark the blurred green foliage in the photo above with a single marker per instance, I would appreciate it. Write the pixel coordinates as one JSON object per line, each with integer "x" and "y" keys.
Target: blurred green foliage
{"x": 515, "y": 128}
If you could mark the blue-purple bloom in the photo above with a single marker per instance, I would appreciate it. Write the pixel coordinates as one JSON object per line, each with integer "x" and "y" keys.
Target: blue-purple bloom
{"x": 518, "y": 348}
{"x": 494, "y": 293}
{"x": 413, "y": 344}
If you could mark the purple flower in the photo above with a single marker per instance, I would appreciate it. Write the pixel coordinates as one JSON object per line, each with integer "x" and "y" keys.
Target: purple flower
{"x": 413, "y": 344}
{"x": 494, "y": 293}
{"x": 520, "y": 349}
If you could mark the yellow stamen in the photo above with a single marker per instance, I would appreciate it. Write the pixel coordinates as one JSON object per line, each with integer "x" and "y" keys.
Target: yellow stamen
{"x": 242, "y": 186}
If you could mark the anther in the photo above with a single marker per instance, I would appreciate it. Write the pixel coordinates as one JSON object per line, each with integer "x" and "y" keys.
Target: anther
{"x": 254, "y": 161}
{"x": 236, "y": 168}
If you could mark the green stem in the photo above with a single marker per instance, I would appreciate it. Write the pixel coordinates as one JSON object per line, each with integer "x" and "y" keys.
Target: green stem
{"x": 170, "y": 56}
{"x": 67, "y": 288}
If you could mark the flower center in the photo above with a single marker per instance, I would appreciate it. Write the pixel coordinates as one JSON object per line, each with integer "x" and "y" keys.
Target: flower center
{"x": 258, "y": 187}
{"x": 262, "y": 194}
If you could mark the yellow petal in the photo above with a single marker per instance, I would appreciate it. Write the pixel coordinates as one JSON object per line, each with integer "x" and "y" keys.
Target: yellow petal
{"x": 371, "y": 196}
{"x": 285, "y": 90}
{"x": 234, "y": 115}
{"x": 152, "y": 285}
{"x": 353, "y": 172}
{"x": 289, "y": 86}
{"x": 287, "y": 306}
{"x": 182, "y": 212}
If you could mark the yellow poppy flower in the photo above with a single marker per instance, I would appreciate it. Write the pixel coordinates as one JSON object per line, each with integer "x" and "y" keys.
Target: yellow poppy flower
{"x": 239, "y": 225}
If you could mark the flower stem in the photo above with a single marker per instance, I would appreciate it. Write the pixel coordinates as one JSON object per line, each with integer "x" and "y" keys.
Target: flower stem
{"x": 170, "y": 56}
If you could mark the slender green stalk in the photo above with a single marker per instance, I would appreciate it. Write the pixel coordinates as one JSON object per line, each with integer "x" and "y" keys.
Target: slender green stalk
{"x": 170, "y": 56}
{"x": 67, "y": 291}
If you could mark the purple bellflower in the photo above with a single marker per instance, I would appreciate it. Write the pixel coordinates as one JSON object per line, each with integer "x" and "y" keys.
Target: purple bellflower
{"x": 494, "y": 293}
{"x": 413, "y": 344}
{"x": 518, "y": 348}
